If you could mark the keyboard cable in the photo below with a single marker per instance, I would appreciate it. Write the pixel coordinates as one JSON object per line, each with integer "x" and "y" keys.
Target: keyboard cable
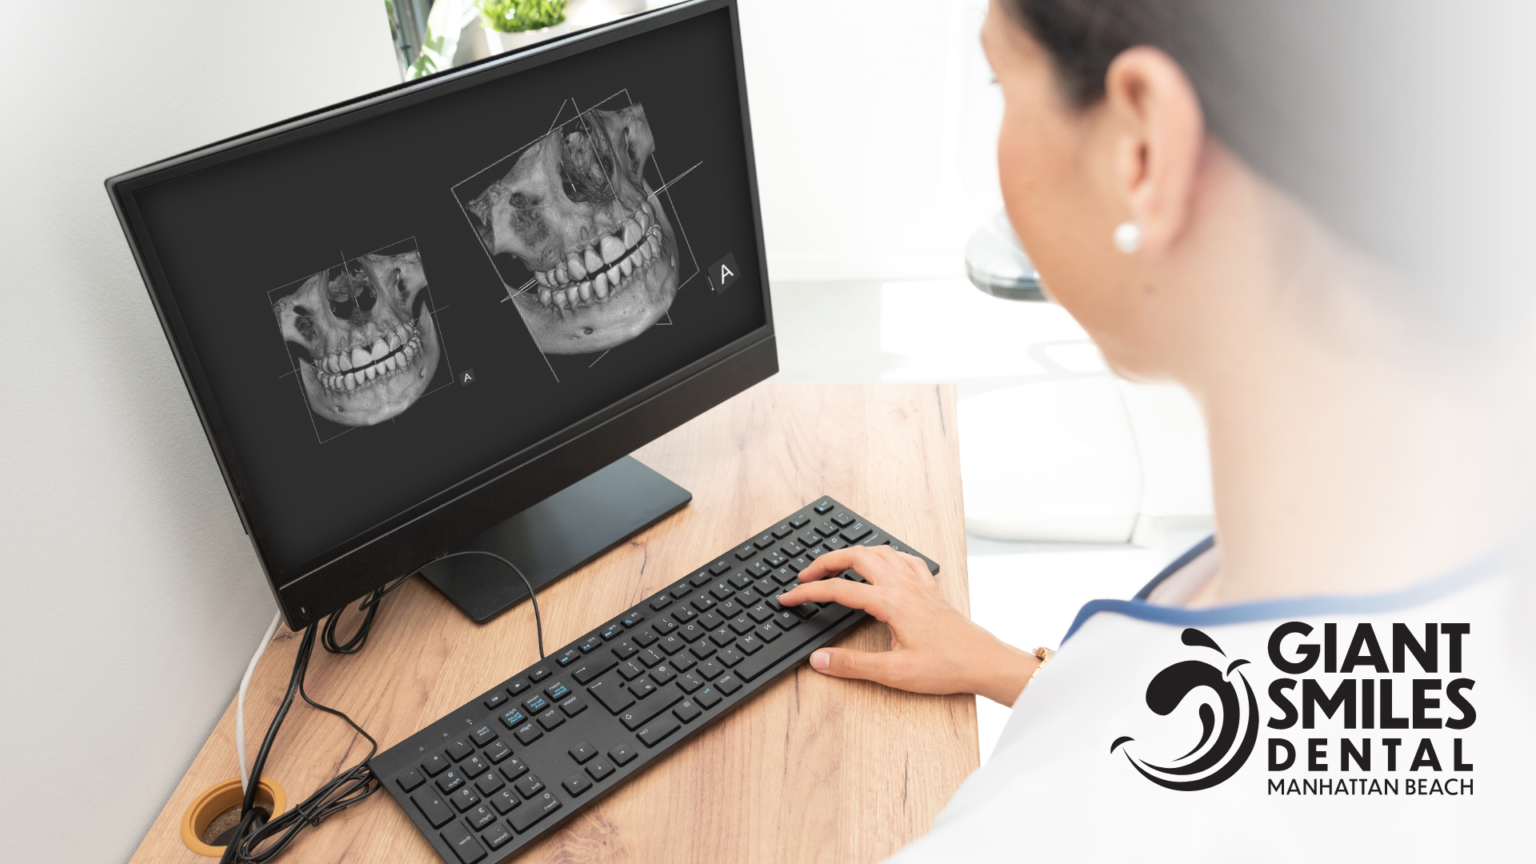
{"x": 256, "y": 839}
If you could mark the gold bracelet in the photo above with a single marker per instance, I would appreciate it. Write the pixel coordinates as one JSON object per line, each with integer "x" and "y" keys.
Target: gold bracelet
{"x": 1044, "y": 655}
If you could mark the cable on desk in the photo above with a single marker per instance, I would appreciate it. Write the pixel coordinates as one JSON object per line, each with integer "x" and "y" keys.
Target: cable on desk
{"x": 245, "y": 683}
{"x": 533, "y": 598}
{"x": 369, "y": 607}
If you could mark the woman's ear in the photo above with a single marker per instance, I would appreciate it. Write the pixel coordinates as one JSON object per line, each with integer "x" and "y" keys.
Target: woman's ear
{"x": 1158, "y": 133}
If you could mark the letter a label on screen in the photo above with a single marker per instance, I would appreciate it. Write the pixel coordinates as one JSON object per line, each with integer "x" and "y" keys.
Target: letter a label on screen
{"x": 723, "y": 273}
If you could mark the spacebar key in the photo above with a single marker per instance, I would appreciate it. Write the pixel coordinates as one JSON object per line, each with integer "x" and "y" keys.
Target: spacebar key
{"x": 793, "y": 641}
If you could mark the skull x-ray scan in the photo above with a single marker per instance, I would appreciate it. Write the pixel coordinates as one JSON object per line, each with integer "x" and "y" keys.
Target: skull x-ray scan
{"x": 576, "y": 209}
{"x": 364, "y": 339}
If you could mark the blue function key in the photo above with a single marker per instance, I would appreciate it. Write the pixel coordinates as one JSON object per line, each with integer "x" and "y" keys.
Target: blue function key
{"x": 569, "y": 656}
{"x": 823, "y": 506}
{"x": 612, "y": 631}
{"x": 590, "y": 644}
{"x": 557, "y": 691}
{"x": 514, "y": 718}
{"x": 632, "y": 619}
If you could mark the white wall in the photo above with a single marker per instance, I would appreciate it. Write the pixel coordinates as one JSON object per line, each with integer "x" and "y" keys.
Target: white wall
{"x": 132, "y": 599}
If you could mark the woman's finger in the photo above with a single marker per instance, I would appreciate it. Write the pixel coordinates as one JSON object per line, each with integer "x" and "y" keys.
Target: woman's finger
{"x": 855, "y": 595}
{"x": 868, "y": 562}
{"x": 847, "y": 663}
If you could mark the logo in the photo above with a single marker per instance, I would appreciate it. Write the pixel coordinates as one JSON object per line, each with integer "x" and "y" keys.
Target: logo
{"x": 1218, "y": 754}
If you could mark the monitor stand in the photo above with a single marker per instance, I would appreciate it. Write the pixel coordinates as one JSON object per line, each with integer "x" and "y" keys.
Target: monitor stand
{"x": 555, "y": 536}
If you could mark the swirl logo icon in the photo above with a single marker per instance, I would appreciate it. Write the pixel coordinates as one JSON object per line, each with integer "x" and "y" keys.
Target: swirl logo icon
{"x": 1222, "y": 749}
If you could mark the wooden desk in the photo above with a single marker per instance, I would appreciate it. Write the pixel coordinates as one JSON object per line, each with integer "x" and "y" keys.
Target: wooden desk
{"x": 813, "y": 769}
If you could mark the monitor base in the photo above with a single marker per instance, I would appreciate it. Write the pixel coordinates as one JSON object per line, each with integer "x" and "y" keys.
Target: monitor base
{"x": 555, "y": 537}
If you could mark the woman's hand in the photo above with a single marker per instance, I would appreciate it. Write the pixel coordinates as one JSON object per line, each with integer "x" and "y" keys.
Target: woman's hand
{"x": 934, "y": 649}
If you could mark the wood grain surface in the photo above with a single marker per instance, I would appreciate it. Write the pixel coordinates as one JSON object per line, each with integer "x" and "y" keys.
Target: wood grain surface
{"x": 812, "y": 769}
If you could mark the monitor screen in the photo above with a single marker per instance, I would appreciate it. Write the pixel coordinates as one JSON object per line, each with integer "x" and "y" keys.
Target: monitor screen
{"x": 385, "y": 308}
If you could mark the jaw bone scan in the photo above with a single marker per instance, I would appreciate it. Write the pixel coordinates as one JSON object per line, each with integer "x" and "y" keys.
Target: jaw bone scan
{"x": 576, "y": 209}
{"x": 363, "y": 336}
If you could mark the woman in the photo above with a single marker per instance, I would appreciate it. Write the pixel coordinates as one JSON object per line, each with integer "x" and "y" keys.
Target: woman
{"x": 1213, "y": 190}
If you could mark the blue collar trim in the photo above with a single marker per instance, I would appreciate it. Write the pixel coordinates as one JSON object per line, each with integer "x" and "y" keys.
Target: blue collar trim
{"x": 1295, "y": 607}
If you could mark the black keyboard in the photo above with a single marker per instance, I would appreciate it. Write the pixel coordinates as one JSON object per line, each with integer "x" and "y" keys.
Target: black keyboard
{"x": 498, "y": 774}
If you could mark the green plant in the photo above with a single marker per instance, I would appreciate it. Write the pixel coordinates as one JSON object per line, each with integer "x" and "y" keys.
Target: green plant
{"x": 515, "y": 16}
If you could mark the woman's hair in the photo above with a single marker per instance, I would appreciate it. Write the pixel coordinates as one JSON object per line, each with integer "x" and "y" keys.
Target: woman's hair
{"x": 1392, "y": 121}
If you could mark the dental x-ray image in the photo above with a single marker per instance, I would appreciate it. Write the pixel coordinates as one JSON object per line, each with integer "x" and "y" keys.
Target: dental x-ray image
{"x": 362, "y": 336}
{"x": 579, "y": 236}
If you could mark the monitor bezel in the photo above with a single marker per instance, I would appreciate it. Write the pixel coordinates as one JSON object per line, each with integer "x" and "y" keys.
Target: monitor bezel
{"x": 309, "y": 591}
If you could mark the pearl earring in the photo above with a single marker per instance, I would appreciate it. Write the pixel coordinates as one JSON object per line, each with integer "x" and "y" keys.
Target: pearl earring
{"x": 1128, "y": 237}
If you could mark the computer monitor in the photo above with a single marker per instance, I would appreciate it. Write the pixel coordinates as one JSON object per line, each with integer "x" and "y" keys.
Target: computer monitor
{"x": 441, "y": 315}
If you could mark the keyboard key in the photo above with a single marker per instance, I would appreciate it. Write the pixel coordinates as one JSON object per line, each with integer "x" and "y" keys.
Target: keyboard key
{"x": 433, "y": 807}
{"x": 449, "y": 780}
{"x": 746, "y": 552}
{"x": 434, "y": 765}
{"x": 782, "y": 531}
{"x": 702, "y": 602}
{"x": 665, "y": 698}
{"x": 480, "y": 817}
{"x": 529, "y": 786}
{"x": 709, "y": 670}
{"x": 537, "y": 704}
{"x": 758, "y": 569}
{"x": 497, "y": 752}
{"x": 730, "y": 657}
{"x": 590, "y": 644}
{"x": 490, "y": 783}
{"x": 576, "y": 784}
{"x": 856, "y": 532}
{"x": 672, "y": 644}
{"x": 743, "y": 624}
{"x": 410, "y": 780}
{"x": 557, "y": 691}
{"x": 535, "y": 676}
{"x": 464, "y": 843}
{"x": 474, "y": 766}
{"x": 528, "y": 733}
{"x": 786, "y": 576}
{"x": 573, "y": 706}
{"x": 633, "y": 619}
{"x": 787, "y": 620}
{"x": 495, "y": 699}
{"x": 582, "y": 751}
{"x": 649, "y": 657}
{"x": 660, "y": 602}
{"x": 722, "y": 637}
{"x": 760, "y": 612}
{"x": 662, "y": 674}
{"x": 729, "y": 609}
{"x": 513, "y": 769}
{"x": 612, "y": 631}
{"x": 791, "y": 549}
{"x": 622, "y": 754}
{"x": 680, "y": 590}
{"x": 746, "y": 598}
{"x": 832, "y": 544}
{"x": 826, "y": 528}
{"x": 764, "y": 541}
{"x": 625, "y": 649}
{"x": 815, "y": 552}
{"x": 701, "y": 649}
{"x": 799, "y": 522}
{"x": 728, "y": 684}
{"x": 703, "y": 577}
{"x": 722, "y": 590}
{"x": 592, "y": 668}
{"x": 765, "y": 586}
{"x": 483, "y": 736}
{"x": 569, "y": 656}
{"x": 823, "y": 506}
{"x": 842, "y": 519}
{"x": 791, "y": 641}
{"x": 600, "y": 768}
{"x": 691, "y": 632}
{"x": 741, "y": 579}
{"x": 768, "y": 631}
{"x": 683, "y": 662}
{"x": 719, "y": 566}
{"x": 656, "y": 731}
{"x": 689, "y": 682}
{"x": 799, "y": 564}
{"x": 663, "y": 626}
{"x": 710, "y": 621}
{"x": 497, "y": 837}
{"x": 505, "y": 801}
{"x": 527, "y": 817}
{"x": 631, "y": 670}
{"x": 809, "y": 539}
{"x": 686, "y": 711}
{"x": 513, "y": 718}
{"x": 749, "y": 644}
{"x": 642, "y": 688}
{"x": 647, "y": 637}
{"x": 709, "y": 697}
{"x": 684, "y": 614}
{"x": 551, "y": 719}
{"x": 776, "y": 560}
{"x": 464, "y": 799}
